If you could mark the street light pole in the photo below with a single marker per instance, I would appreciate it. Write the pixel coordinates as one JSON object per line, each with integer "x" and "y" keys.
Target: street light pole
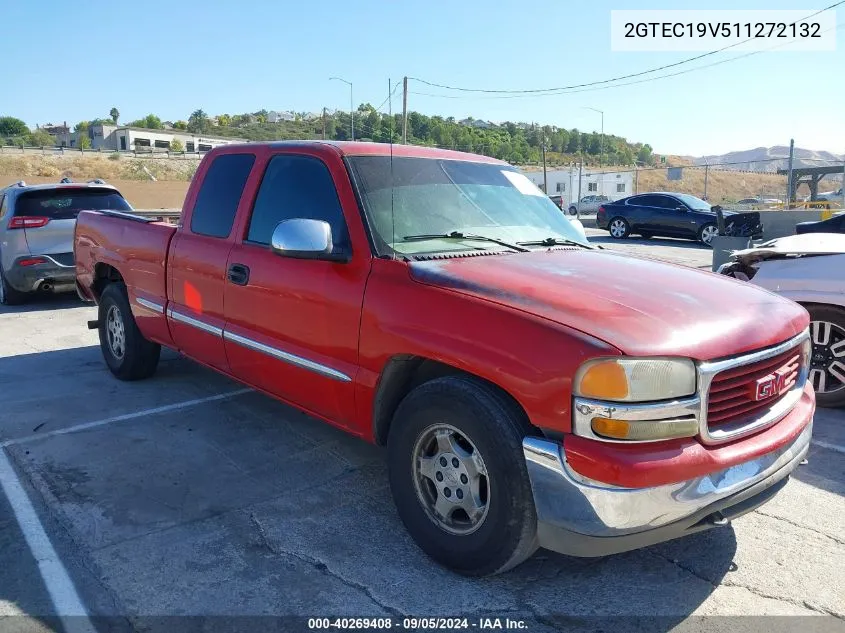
{"x": 351, "y": 107}
{"x": 601, "y": 154}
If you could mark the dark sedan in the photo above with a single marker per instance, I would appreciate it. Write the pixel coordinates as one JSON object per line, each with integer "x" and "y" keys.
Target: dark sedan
{"x": 658, "y": 213}
{"x": 835, "y": 224}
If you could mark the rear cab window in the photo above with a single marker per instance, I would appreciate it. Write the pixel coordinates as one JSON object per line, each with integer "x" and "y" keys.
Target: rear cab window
{"x": 65, "y": 203}
{"x": 219, "y": 195}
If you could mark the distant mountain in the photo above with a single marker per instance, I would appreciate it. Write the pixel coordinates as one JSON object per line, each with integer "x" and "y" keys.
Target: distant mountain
{"x": 769, "y": 159}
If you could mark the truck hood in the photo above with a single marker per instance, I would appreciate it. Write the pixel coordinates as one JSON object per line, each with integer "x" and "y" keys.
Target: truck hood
{"x": 641, "y": 306}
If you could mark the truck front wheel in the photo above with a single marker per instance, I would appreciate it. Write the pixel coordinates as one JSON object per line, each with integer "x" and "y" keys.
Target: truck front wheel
{"x": 458, "y": 476}
{"x": 127, "y": 353}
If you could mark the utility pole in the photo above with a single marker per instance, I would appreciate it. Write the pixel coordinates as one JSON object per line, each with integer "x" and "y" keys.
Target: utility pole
{"x": 580, "y": 171}
{"x": 789, "y": 176}
{"x": 706, "y": 171}
{"x": 324, "y": 123}
{"x": 545, "y": 179}
{"x": 405, "y": 111}
{"x": 636, "y": 179}
{"x": 351, "y": 107}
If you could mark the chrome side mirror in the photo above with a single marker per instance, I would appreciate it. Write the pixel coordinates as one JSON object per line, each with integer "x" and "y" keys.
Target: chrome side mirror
{"x": 302, "y": 238}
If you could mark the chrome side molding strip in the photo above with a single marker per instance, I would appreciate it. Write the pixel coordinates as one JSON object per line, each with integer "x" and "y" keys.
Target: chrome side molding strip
{"x": 293, "y": 359}
{"x": 150, "y": 305}
{"x": 200, "y": 325}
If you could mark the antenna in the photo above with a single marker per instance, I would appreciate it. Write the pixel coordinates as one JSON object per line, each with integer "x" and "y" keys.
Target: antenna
{"x": 392, "y": 188}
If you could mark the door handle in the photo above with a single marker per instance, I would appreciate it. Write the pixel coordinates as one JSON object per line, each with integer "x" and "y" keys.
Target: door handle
{"x": 238, "y": 274}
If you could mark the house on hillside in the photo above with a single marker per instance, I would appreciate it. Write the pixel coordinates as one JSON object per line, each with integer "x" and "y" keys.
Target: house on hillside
{"x": 476, "y": 123}
{"x": 55, "y": 129}
{"x": 277, "y": 117}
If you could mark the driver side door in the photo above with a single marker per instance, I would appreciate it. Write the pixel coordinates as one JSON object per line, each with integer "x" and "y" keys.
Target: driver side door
{"x": 292, "y": 324}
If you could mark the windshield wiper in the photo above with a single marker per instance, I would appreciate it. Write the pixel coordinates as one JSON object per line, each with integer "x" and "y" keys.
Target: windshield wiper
{"x": 555, "y": 241}
{"x": 457, "y": 235}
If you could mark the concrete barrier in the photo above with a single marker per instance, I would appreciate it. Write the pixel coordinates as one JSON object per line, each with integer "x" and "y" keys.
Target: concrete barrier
{"x": 782, "y": 223}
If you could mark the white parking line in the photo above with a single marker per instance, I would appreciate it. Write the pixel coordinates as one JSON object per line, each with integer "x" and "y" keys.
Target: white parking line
{"x": 62, "y": 591}
{"x": 828, "y": 445}
{"x": 121, "y": 418}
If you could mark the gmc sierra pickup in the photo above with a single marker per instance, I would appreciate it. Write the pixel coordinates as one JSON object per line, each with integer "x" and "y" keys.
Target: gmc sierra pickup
{"x": 531, "y": 389}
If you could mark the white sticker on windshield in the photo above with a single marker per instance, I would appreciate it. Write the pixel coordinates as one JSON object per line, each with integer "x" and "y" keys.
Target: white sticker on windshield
{"x": 522, "y": 184}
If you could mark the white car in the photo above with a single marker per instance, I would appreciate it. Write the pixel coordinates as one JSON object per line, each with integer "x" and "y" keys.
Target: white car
{"x": 588, "y": 205}
{"x": 807, "y": 269}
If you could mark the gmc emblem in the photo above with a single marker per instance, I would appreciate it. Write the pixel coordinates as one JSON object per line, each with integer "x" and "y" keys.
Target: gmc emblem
{"x": 773, "y": 384}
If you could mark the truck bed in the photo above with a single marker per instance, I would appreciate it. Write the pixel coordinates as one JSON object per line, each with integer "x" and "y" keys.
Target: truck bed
{"x": 136, "y": 246}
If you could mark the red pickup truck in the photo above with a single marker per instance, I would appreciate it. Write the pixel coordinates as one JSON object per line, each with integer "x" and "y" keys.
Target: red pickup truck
{"x": 532, "y": 389}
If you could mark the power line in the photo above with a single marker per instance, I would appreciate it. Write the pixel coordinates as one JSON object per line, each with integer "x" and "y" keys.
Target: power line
{"x": 619, "y": 85}
{"x": 538, "y": 91}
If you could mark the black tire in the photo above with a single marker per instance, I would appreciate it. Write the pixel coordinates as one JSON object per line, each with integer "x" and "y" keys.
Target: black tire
{"x": 701, "y": 233}
{"x": 836, "y": 317}
{"x": 139, "y": 357}
{"x": 621, "y": 221}
{"x": 8, "y": 295}
{"x": 507, "y": 533}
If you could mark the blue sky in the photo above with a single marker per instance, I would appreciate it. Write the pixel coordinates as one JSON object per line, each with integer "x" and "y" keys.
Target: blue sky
{"x": 172, "y": 57}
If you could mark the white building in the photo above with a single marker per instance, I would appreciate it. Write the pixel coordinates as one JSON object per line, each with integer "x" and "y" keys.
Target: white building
{"x": 564, "y": 182}
{"x": 138, "y": 139}
{"x": 275, "y": 117}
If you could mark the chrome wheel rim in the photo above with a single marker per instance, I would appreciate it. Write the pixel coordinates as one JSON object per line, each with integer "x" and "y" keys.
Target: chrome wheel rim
{"x": 115, "y": 332}
{"x": 827, "y": 362}
{"x": 708, "y": 233}
{"x": 450, "y": 479}
{"x": 617, "y": 228}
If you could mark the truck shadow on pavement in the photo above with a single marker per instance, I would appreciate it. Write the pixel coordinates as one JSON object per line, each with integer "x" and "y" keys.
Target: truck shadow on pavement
{"x": 260, "y": 509}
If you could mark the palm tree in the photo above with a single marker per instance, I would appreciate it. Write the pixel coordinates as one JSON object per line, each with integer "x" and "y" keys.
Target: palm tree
{"x": 114, "y": 113}
{"x": 198, "y": 121}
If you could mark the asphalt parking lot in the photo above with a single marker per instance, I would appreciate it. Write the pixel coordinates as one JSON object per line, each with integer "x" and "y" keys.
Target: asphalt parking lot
{"x": 188, "y": 495}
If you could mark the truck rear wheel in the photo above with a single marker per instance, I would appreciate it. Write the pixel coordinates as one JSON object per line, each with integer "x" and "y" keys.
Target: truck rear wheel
{"x": 458, "y": 476}
{"x": 127, "y": 353}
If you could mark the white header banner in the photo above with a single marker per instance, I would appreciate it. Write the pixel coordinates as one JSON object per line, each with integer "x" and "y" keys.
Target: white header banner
{"x": 707, "y": 30}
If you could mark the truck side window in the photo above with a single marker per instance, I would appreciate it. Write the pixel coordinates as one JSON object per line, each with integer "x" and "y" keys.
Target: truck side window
{"x": 296, "y": 187}
{"x": 3, "y": 205}
{"x": 219, "y": 194}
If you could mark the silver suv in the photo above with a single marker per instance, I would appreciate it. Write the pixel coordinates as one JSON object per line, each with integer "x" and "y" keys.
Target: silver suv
{"x": 36, "y": 234}
{"x": 589, "y": 205}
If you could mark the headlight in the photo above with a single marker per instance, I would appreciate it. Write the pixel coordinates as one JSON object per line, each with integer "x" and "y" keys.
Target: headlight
{"x": 806, "y": 353}
{"x": 635, "y": 379}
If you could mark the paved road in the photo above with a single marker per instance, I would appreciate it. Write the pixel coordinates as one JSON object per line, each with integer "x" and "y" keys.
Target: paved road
{"x": 185, "y": 495}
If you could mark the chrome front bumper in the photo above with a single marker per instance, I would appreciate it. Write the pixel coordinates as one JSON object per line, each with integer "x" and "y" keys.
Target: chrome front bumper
{"x": 583, "y": 517}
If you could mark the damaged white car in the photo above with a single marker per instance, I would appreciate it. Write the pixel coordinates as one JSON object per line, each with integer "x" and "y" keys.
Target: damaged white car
{"x": 809, "y": 269}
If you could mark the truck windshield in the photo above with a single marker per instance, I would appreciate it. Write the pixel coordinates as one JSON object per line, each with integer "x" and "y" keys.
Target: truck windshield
{"x": 64, "y": 203}
{"x": 431, "y": 197}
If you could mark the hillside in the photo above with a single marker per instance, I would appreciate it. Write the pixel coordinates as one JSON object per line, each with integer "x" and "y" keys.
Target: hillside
{"x": 132, "y": 177}
{"x": 769, "y": 159}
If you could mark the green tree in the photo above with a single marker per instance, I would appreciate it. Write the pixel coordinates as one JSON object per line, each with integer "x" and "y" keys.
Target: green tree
{"x": 40, "y": 138}
{"x": 224, "y": 120}
{"x": 198, "y": 121}
{"x": 10, "y": 126}
{"x": 84, "y": 141}
{"x": 149, "y": 122}
{"x": 176, "y": 145}
{"x": 114, "y": 113}
{"x": 180, "y": 125}
{"x": 645, "y": 155}
{"x": 82, "y": 126}
{"x": 574, "y": 143}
